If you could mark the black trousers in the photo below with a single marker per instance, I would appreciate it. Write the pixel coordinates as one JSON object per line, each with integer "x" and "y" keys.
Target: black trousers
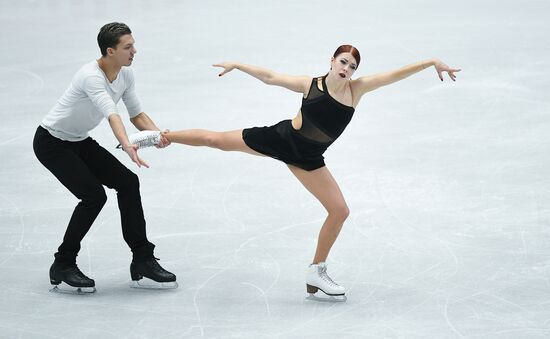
{"x": 84, "y": 167}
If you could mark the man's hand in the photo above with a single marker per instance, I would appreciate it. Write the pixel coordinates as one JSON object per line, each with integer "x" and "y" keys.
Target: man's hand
{"x": 164, "y": 142}
{"x": 131, "y": 150}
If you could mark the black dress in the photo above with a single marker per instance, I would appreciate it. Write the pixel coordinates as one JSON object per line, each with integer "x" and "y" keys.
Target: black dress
{"x": 323, "y": 121}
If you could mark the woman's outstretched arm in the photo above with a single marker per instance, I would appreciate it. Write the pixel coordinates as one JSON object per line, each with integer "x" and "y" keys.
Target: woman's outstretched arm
{"x": 372, "y": 82}
{"x": 294, "y": 83}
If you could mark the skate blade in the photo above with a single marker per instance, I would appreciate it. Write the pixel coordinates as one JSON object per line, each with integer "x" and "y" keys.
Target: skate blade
{"x": 328, "y": 298}
{"x": 64, "y": 288}
{"x": 146, "y": 283}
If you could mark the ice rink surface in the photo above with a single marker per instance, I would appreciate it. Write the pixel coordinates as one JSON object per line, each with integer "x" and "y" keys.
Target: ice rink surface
{"x": 448, "y": 183}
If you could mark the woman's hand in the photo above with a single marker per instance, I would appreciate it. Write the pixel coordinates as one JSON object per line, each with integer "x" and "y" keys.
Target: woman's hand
{"x": 227, "y": 67}
{"x": 441, "y": 67}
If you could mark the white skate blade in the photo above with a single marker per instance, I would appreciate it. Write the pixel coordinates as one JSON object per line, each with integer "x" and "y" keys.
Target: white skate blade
{"x": 146, "y": 283}
{"x": 64, "y": 288}
{"x": 327, "y": 298}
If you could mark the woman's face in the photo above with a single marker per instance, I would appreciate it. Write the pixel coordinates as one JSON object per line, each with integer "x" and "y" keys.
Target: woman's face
{"x": 343, "y": 65}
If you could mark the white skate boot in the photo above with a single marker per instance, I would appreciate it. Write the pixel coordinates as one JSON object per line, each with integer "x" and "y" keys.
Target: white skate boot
{"x": 144, "y": 139}
{"x": 318, "y": 279}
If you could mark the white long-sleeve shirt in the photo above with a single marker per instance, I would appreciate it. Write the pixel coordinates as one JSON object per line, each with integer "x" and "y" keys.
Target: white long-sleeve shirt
{"x": 89, "y": 99}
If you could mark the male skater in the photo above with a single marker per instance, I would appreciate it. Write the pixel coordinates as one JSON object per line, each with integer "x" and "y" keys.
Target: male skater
{"x": 62, "y": 145}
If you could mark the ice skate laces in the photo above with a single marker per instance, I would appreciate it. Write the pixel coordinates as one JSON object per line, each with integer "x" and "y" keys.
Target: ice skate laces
{"x": 324, "y": 275}
{"x": 74, "y": 269}
{"x": 156, "y": 264}
{"x": 144, "y": 139}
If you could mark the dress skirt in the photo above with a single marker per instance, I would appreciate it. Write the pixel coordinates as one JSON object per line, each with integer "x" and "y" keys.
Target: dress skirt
{"x": 282, "y": 142}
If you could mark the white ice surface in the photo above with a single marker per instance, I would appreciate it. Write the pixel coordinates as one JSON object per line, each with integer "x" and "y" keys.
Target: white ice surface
{"x": 448, "y": 183}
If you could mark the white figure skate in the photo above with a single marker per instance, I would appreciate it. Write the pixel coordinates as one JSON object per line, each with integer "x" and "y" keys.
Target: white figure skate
{"x": 318, "y": 279}
{"x": 144, "y": 139}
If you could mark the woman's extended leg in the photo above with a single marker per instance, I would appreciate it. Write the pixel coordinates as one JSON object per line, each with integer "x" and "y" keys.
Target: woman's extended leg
{"x": 323, "y": 186}
{"x": 225, "y": 141}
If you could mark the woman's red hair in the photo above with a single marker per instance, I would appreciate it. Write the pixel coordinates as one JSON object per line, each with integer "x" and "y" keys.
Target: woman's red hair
{"x": 348, "y": 49}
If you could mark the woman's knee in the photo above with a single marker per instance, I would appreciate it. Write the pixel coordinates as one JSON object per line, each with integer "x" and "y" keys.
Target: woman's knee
{"x": 211, "y": 139}
{"x": 217, "y": 140}
{"x": 340, "y": 212}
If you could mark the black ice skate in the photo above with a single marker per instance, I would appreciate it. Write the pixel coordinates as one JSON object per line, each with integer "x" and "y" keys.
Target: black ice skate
{"x": 157, "y": 277}
{"x": 67, "y": 278}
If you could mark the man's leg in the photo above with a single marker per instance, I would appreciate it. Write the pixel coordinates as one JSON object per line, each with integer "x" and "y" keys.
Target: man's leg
{"x": 113, "y": 174}
{"x": 62, "y": 160}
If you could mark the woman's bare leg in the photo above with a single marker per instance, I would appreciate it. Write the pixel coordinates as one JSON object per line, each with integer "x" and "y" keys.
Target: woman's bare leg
{"x": 323, "y": 186}
{"x": 319, "y": 182}
{"x": 225, "y": 141}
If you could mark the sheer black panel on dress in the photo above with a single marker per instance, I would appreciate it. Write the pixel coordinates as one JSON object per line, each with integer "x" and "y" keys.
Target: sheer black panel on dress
{"x": 323, "y": 118}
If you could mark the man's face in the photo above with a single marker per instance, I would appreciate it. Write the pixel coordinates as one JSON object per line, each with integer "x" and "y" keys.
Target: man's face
{"x": 124, "y": 51}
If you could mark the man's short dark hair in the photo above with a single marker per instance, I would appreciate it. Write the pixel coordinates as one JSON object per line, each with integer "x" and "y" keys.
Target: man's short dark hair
{"x": 110, "y": 34}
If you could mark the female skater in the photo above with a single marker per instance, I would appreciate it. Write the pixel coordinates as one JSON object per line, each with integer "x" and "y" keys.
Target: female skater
{"x": 328, "y": 105}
